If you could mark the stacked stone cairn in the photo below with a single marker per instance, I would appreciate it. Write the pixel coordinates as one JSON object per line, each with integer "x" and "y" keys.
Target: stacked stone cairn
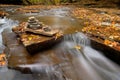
{"x": 34, "y": 24}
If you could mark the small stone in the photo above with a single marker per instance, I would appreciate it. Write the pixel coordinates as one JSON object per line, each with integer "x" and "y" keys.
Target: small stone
{"x": 47, "y": 29}
{"x": 31, "y": 18}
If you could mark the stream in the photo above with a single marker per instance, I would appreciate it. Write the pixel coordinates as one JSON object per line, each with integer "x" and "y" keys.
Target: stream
{"x": 75, "y": 64}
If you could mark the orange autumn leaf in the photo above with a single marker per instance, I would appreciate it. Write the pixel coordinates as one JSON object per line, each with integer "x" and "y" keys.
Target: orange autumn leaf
{"x": 77, "y": 47}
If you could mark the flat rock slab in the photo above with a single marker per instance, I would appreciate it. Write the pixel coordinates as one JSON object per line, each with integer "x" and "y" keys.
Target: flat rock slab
{"x": 18, "y": 53}
{"x": 35, "y": 43}
{"x": 20, "y": 59}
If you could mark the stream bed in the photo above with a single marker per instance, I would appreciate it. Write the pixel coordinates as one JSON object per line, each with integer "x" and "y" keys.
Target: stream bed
{"x": 72, "y": 59}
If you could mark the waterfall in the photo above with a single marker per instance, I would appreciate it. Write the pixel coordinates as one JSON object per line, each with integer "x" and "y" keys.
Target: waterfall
{"x": 89, "y": 63}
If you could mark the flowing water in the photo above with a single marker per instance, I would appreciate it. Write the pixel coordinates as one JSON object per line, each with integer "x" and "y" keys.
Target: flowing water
{"x": 89, "y": 63}
{"x": 81, "y": 63}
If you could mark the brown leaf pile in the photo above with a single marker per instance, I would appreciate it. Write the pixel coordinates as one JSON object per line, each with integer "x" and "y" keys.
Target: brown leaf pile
{"x": 110, "y": 35}
{"x": 95, "y": 16}
{"x": 2, "y": 59}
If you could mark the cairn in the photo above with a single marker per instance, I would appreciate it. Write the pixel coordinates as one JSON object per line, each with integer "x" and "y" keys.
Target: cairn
{"x": 34, "y": 24}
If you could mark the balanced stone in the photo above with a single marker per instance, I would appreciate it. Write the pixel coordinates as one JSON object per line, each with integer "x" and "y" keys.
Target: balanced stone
{"x": 32, "y": 18}
{"x": 33, "y": 23}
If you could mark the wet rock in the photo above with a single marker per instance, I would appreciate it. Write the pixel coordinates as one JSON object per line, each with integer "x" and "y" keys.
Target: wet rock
{"x": 14, "y": 49}
{"x": 17, "y": 53}
{"x": 105, "y": 39}
{"x": 109, "y": 52}
{"x": 35, "y": 43}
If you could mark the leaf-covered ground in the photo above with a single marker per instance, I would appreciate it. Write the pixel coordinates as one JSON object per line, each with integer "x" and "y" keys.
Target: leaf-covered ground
{"x": 96, "y": 16}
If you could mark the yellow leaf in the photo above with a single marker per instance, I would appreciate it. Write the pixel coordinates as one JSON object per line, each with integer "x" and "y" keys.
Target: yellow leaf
{"x": 57, "y": 35}
{"x": 29, "y": 38}
{"x": 77, "y": 47}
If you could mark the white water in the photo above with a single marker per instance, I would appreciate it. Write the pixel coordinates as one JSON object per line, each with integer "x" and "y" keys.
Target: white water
{"x": 8, "y": 23}
{"x": 89, "y": 63}
{"x": 2, "y": 21}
